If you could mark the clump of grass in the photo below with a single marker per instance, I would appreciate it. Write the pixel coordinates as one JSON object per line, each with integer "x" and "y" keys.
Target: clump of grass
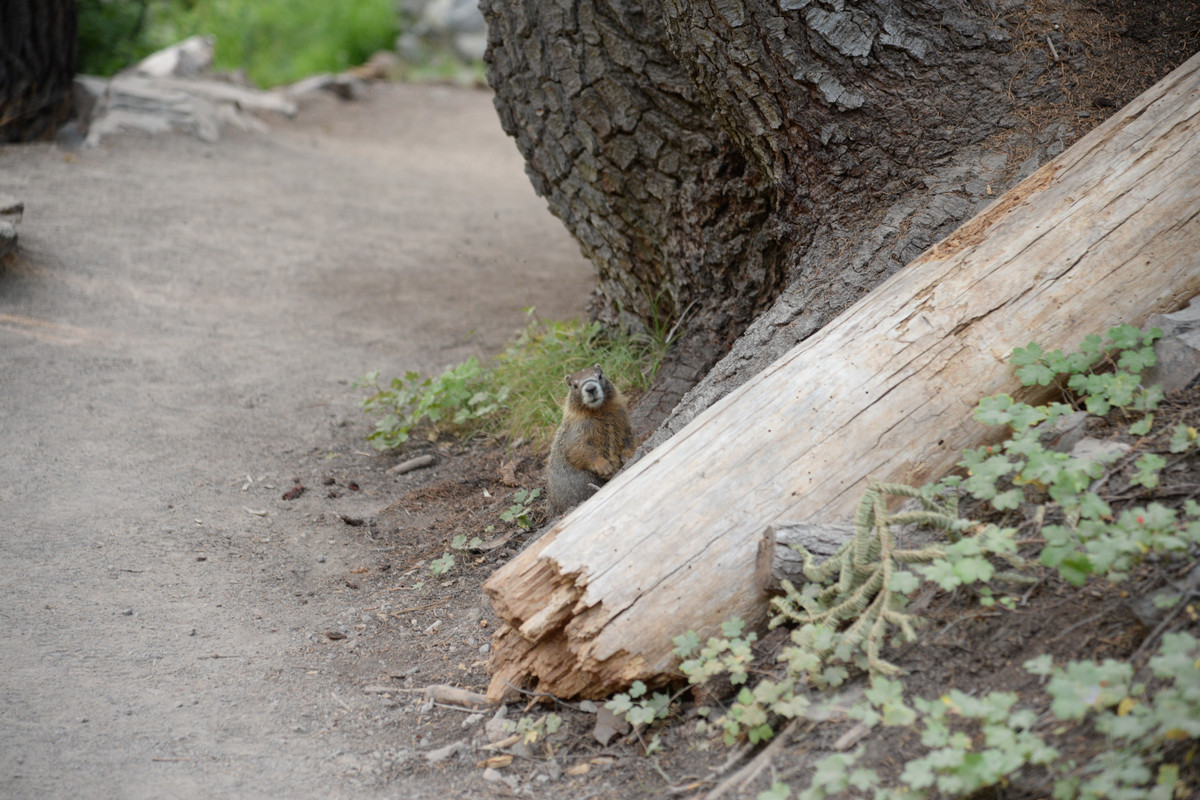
{"x": 518, "y": 396}
{"x": 534, "y": 367}
{"x": 282, "y": 41}
{"x": 274, "y": 41}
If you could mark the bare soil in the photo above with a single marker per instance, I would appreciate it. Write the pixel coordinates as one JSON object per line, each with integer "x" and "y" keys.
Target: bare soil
{"x": 179, "y": 331}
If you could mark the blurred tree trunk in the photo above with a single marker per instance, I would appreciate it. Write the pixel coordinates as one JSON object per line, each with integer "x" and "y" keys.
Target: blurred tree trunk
{"x": 726, "y": 161}
{"x": 37, "y": 67}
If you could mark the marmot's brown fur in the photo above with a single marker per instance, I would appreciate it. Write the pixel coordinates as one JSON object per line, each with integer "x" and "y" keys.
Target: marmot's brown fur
{"x": 592, "y": 442}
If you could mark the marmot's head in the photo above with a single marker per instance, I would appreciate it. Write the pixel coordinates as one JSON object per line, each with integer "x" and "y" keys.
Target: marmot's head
{"x": 588, "y": 385}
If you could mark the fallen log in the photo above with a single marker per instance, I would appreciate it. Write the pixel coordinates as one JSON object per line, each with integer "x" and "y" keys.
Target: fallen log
{"x": 1106, "y": 233}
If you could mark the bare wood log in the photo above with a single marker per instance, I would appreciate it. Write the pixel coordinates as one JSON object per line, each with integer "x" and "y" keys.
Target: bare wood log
{"x": 1106, "y": 233}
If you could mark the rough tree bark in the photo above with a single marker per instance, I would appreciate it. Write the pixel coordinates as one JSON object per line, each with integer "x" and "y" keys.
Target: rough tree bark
{"x": 719, "y": 158}
{"x": 1105, "y": 234}
{"x": 37, "y": 67}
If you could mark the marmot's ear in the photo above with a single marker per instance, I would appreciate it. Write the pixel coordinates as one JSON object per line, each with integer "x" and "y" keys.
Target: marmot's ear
{"x": 598, "y": 369}
{"x": 568, "y": 380}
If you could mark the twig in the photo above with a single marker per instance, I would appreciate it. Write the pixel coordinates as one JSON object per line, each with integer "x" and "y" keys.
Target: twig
{"x": 1104, "y": 613}
{"x": 744, "y": 776}
{"x": 459, "y": 708}
{"x": 1053, "y": 52}
{"x": 682, "y": 317}
{"x": 1161, "y": 627}
{"x": 411, "y": 464}
{"x": 531, "y": 693}
{"x": 455, "y": 696}
{"x": 414, "y": 608}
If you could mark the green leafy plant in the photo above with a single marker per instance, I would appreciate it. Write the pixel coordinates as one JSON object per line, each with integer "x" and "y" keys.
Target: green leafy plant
{"x": 442, "y": 564}
{"x": 731, "y": 655}
{"x": 638, "y": 707}
{"x": 522, "y": 506}
{"x": 461, "y": 542}
{"x": 112, "y": 34}
{"x": 518, "y": 395}
{"x": 456, "y": 400}
{"x": 1082, "y": 539}
{"x": 281, "y": 41}
{"x": 864, "y": 583}
{"x": 274, "y": 41}
{"x": 980, "y": 742}
{"x": 641, "y": 709}
{"x": 533, "y": 730}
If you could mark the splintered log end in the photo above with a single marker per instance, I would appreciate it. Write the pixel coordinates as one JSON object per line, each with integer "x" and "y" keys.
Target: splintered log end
{"x": 556, "y": 666}
{"x": 545, "y": 641}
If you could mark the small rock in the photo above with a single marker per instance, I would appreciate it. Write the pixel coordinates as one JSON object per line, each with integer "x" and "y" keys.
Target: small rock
{"x": 445, "y": 753}
{"x": 186, "y": 59}
{"x": 127, "y": 612}
{"x": 1089, "y": 449}
{"x": 495, "y": 729}
{"x": 492, "y": 775}
{"x": 1063, "y": 433}
{"x": 1178, "y": 352}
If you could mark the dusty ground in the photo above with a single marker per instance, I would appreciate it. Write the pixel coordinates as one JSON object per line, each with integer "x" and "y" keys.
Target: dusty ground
{"x": 178, "y": 334}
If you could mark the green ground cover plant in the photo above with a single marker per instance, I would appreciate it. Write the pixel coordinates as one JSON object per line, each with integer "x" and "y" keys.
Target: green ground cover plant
{"x": 274, "y": 41}
{"x": 517, "y": 395}
{"x": 856, "y": 600}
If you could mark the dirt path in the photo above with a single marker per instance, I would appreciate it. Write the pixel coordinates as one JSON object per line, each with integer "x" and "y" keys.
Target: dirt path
{"x": 177, "y": 337}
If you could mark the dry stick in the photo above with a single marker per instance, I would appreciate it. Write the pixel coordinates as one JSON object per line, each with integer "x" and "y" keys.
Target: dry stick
{"x": 750, "y": 771}
{"x": 534, "y": 695}
{"x": 1161, "y": 627}
{"x": 1103, "y": 613}
{"x": 441, "y": 693}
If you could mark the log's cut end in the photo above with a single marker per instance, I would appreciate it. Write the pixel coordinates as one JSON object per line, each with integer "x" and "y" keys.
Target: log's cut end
{"x": 543, "y": 644}
{"x": 554, "y": 666}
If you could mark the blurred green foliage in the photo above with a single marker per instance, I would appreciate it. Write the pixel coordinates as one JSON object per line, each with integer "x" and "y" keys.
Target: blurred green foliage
{"x": 274, "y": 41}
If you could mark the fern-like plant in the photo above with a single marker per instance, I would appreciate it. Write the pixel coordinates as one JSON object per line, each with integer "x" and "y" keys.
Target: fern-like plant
{"x": 871, "y": 581}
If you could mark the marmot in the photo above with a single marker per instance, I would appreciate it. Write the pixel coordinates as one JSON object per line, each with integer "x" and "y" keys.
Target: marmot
{"x": 592, "y": 442}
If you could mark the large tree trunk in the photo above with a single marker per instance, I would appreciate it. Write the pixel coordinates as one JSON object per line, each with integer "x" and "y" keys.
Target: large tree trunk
{"x": 37, "y": 67}
{"x": 710, "y": 155}
{"x": 1105, "y": 234}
